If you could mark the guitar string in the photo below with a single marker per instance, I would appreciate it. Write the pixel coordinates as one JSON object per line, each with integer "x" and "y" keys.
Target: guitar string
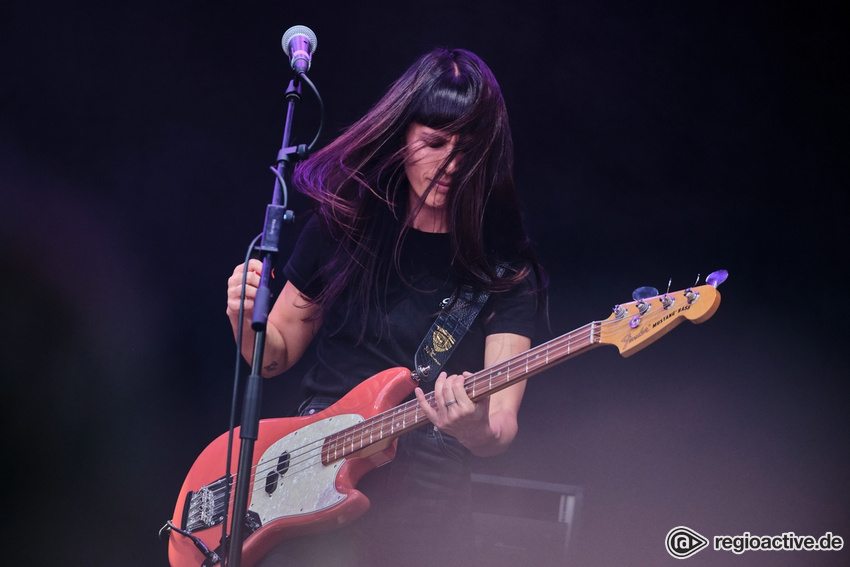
{"x": 355, "y": 434}
{"x": 554, "y": 350}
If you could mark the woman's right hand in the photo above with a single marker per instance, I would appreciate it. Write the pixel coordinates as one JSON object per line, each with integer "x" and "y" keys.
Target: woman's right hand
{"x": 292, "y": 322}
{"x": 234, "y": 288}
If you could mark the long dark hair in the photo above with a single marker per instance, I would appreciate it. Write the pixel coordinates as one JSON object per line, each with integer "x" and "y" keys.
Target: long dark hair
{"x": 361, "y": 194}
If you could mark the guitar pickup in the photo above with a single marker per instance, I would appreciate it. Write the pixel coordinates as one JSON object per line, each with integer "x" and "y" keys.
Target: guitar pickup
{"x": 274, "y": 476}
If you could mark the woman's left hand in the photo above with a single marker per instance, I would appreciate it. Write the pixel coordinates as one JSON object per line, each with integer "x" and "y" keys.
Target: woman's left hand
{"x": 456, "y": 414}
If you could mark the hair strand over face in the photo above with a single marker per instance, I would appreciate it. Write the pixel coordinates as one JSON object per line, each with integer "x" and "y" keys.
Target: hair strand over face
{"x": 360, "y": 192}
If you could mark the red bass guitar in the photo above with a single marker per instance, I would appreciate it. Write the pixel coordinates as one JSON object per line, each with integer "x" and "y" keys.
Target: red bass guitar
{"x": 305, "y": 469}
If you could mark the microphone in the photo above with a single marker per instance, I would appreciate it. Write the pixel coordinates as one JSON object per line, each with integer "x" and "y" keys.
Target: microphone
{"x": 299, "y": 43}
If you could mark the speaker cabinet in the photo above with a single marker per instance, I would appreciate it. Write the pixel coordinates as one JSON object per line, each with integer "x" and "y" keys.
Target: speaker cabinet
{"x": 523, "y": 522}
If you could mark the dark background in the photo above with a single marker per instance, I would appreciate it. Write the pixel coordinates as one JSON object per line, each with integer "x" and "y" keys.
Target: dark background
{"x": 654, "y": 140}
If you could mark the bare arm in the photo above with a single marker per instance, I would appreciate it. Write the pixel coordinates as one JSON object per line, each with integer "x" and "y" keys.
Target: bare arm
{"x": 290, "y": 326}
{"x": 488, "y": 427}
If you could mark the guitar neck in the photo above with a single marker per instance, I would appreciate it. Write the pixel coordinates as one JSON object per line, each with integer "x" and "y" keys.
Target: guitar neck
{"x": 405, "y": 417}
{"x": 521, "y": 367}
{"x": 630, "y": 328}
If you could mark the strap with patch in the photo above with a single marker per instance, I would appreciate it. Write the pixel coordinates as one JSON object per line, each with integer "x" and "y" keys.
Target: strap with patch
{"x": 447, "y": 331}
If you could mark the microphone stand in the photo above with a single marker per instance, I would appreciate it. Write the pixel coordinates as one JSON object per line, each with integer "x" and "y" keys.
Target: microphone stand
{"x": 276, "y": 216}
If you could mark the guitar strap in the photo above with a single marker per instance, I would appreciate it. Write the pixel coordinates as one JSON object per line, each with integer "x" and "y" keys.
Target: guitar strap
{"x": 448, "y": 329}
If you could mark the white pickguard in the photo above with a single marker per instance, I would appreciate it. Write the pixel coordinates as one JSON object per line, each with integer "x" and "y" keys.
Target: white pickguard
{"x": 308, "y": 486}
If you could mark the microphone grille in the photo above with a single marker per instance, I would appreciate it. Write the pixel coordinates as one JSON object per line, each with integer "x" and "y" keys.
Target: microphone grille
{"x": 298, "y": 30}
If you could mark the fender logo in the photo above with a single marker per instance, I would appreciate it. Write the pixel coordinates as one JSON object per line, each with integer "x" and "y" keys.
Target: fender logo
{"x": 629, "y": 338}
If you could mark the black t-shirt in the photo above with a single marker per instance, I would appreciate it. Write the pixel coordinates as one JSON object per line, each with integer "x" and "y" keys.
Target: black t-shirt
{"x": 425, "y": 263}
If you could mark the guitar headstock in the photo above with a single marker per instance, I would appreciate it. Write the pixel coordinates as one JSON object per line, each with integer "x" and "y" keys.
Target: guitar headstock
{"x": 632, "y": 326}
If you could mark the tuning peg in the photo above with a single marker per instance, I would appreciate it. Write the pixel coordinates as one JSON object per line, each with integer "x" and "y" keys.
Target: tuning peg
{"x": 691, "y": 295}
{"x": 667, "y": 301}
{"x": 714, "y": 279}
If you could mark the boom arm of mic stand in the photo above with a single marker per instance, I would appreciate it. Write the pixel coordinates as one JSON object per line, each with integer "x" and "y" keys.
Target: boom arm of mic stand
{"x": 276, "y": 216}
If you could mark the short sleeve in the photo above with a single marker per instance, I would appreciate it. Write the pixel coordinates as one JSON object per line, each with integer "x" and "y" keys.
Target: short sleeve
{"x": 303, "y": 267}
{"x": 514, "y": 311}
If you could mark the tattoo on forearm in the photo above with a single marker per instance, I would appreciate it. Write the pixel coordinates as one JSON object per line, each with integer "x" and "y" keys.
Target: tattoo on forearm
{"x": 272, "y": 366}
